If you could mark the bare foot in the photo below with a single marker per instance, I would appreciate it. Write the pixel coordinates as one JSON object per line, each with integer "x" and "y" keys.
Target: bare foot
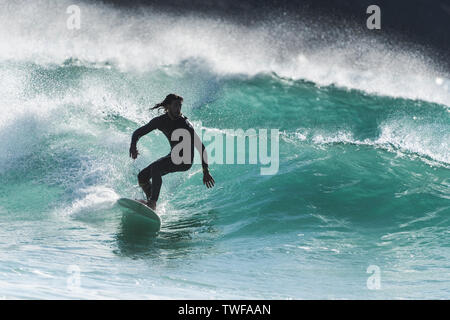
{"x": 142, "y": 201}
{"x": 152, "y": 204}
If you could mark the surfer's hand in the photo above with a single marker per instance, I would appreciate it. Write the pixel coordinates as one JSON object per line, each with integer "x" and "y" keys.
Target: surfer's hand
{"x": 208, "y": 180}
{"x": 133, "y": 152}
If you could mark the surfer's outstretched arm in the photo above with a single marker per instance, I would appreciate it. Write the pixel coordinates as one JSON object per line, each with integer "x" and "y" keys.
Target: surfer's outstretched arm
{"x": 142, "y": 131}
{"x": 208, "y": 180}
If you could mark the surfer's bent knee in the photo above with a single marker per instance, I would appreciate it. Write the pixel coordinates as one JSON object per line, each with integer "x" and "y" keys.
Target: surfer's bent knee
{"x": 142, "y": 178}
{"x": 185, "y": 167}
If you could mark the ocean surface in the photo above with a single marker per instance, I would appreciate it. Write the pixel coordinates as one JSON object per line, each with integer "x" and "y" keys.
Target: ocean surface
{"x": 359, "y": 207}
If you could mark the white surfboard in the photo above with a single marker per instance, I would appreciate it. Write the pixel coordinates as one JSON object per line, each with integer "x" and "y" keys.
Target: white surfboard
{"x": 142, "y": 211}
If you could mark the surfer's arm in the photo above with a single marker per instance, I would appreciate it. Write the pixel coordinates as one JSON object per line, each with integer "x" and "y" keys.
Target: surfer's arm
{"x": 208, "y": 180}
{"x": 202, "y": 150}
{"x": 142, "y": 131}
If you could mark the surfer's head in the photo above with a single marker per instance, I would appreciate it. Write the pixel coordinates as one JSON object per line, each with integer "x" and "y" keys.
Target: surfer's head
{"x": 172, "y": 104}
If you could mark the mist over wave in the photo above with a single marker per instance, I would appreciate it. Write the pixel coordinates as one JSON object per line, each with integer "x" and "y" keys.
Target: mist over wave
{"x": 146, "y": 39}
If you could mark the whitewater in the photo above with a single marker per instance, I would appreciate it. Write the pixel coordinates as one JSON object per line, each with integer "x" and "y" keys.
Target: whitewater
{"x": 363, "y": 182}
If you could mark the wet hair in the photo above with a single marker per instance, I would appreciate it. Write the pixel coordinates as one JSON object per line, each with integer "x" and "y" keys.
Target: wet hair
{"x": 167, "y": 101}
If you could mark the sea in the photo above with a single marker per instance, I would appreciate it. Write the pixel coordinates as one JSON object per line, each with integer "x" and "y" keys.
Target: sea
{"x": 358, "y": 208}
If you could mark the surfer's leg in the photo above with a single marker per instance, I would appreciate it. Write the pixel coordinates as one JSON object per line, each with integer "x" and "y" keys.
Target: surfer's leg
{"x": 153, "y": 172}
{"x": 147, "y": 188}
{"x": 144, "y": 181}
{"x": 160, "y": 168}
{"x": 157, "y": 169}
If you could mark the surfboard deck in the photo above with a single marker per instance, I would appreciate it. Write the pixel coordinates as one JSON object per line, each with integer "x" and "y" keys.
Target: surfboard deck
{"x": 141, "y": 210}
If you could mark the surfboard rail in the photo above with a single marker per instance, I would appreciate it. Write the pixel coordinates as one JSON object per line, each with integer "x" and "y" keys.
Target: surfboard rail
{"x": 141, "y": 210}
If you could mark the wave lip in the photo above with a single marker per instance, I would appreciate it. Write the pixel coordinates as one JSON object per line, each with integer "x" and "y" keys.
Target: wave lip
{"x": 427, "y": 143}
{"x": 151, "y": 40}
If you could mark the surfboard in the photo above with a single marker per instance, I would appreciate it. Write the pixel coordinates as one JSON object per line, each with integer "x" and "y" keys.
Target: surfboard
{"x": 142, "y": 211}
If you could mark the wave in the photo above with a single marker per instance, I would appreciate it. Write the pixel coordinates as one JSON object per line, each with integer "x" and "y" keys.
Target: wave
{"x": 98, "y": 104}
{"x": 430, "y": 147}
{"x": 145, "y": 40}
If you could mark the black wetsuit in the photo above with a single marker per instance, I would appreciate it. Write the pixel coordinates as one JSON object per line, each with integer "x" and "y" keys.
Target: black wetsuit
{"x": 165, "y": 165}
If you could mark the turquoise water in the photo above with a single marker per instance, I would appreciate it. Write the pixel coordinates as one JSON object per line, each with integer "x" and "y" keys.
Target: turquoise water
{"x": 363, "y": 175}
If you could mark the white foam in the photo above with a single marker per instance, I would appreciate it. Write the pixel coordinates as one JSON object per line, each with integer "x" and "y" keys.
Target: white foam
{"x": 427, "y": 141}
{"x": 36, "y": 32}
{"x": 95, "y": 198}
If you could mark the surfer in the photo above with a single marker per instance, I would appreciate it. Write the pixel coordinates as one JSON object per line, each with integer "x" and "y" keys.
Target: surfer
{"x": 171, "y": 120}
